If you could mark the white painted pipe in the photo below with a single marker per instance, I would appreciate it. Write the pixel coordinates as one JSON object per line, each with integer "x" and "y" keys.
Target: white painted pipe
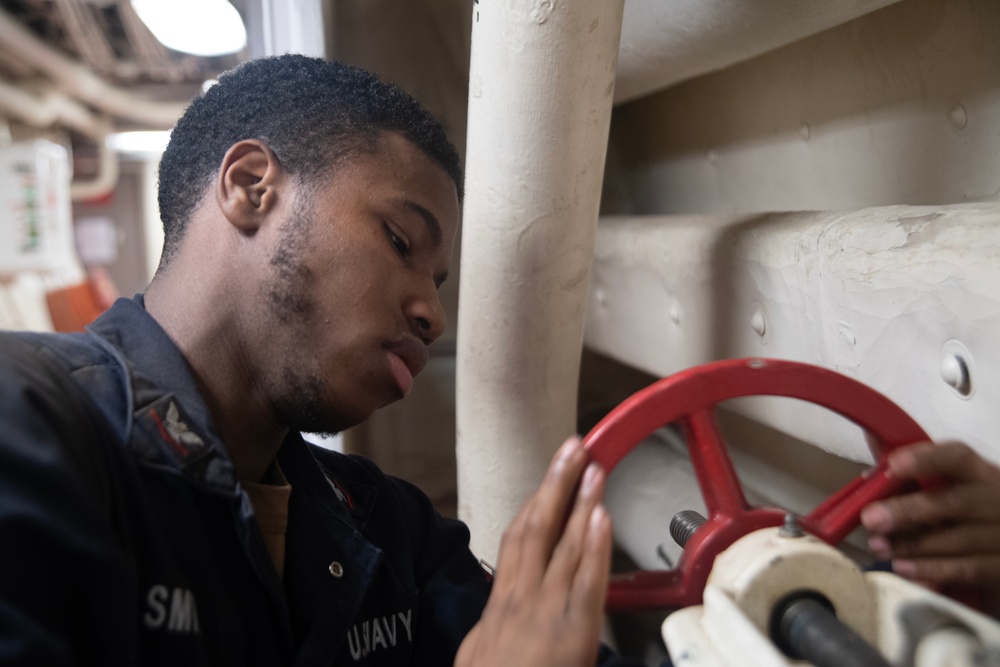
{"x": 80, "y": 82}
{"x": 540, "y": 95}
{"x": 668, "y": 41}
{"x": 47, "y": 109}
{"x": 106, "y": 178}
{"x": 50, "y": 108}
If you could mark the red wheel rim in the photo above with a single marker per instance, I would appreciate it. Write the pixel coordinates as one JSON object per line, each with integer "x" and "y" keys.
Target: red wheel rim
{"x": 690, "y": 398}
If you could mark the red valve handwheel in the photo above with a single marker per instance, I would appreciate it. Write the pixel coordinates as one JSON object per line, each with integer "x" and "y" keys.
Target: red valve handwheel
{"x": 689, "y": 398}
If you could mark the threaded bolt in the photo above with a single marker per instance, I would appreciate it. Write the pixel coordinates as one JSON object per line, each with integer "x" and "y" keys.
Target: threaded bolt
{"x": 684, "y": 524}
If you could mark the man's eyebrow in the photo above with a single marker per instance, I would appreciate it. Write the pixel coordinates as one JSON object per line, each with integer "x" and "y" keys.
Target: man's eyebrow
{"x": 433, "y": 226}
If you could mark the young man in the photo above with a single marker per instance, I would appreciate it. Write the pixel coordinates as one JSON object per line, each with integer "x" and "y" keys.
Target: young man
{"x": 157, "y": 504}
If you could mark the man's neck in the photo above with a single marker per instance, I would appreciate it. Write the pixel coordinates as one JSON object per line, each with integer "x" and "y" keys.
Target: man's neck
{"x": 197, "y": 321}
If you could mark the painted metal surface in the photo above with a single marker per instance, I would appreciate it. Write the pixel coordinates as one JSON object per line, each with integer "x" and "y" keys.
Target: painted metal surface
{"x": 882, "y": 295}
{"x": 665, "y": 42}
{"x": 899, "y": 106}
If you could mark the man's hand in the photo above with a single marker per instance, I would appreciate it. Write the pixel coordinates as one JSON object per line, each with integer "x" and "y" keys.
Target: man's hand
{"x": 949, "y": 535}
{"x": 552, "y": 574}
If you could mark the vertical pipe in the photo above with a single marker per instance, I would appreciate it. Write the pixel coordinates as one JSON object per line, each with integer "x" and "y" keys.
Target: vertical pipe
{"x": 541, "y": 88}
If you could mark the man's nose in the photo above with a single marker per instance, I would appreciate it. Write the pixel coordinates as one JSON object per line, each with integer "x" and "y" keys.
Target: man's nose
{"x": 427, "y": 314}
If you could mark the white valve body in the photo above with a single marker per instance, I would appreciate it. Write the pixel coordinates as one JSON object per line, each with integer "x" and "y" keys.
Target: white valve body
{"x": 731, "y": 627}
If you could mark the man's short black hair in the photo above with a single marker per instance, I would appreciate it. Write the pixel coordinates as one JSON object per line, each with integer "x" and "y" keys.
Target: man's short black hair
{"x": 310, "y": 111}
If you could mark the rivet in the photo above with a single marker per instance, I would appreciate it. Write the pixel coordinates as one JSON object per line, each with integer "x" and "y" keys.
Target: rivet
{"x": 757, "y": 321}
{"x": 958, "y": 116}
{"x": 955, "y": 373}
{"x": 956, "y": 368}
{"x": 336, "y": 569}
{"x": 675, "y": 313}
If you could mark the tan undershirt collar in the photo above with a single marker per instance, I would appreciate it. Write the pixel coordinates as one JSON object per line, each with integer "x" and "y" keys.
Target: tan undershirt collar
{"x": 269, "y": 498}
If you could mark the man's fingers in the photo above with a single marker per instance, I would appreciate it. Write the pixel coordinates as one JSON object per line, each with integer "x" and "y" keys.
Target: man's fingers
{"x": 531, "y": 630}
{"x": 956, "y": 540}
{"x": 952, "y": 459}
{"x": 548, "y": 598}
{"x": 977, "y": 570}
{"x": 572, "y": 544}
{"x": 528, "y": 542}
{"x": 547, "y": 510}
{"x": 590, "y": 586}
{"x": 961, "y": 502}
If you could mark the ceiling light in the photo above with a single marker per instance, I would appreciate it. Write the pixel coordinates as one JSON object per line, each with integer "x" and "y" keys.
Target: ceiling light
{"x": 199, "y": 27}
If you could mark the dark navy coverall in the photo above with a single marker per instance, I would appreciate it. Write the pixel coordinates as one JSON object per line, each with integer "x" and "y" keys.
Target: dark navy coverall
{"x": 125, "y": 538}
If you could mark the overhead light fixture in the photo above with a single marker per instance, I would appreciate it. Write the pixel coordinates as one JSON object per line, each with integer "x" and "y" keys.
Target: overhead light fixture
{"x": 142, "y": 142}
{"x": 199, "y": 27}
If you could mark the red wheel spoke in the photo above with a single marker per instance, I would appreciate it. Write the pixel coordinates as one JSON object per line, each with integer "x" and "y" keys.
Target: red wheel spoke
{"x": 836, "y": 516}
{"x": 718, "y": 481}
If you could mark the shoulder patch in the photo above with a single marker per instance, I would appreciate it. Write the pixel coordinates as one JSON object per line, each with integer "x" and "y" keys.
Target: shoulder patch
{"x": 166, "y": 418}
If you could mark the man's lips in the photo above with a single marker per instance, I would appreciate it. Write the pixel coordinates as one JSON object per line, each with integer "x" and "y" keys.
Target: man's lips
{"x": 407, "y": 357}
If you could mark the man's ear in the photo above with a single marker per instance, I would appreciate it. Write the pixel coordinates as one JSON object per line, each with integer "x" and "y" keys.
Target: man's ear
{"x": 247, "y": 186}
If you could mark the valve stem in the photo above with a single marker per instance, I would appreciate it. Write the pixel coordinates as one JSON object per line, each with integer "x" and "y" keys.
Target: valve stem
{"x": 684, "y": 524}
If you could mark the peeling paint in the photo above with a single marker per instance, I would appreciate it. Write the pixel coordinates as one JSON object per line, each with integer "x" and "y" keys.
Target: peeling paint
{"x": 541, "y": 11}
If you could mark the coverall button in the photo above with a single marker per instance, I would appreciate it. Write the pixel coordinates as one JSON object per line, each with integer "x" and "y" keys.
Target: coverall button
{"x": 336, "y": 569}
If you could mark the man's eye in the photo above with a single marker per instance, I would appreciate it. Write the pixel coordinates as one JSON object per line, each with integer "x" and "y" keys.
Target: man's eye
{"x": 398, "y": 242}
